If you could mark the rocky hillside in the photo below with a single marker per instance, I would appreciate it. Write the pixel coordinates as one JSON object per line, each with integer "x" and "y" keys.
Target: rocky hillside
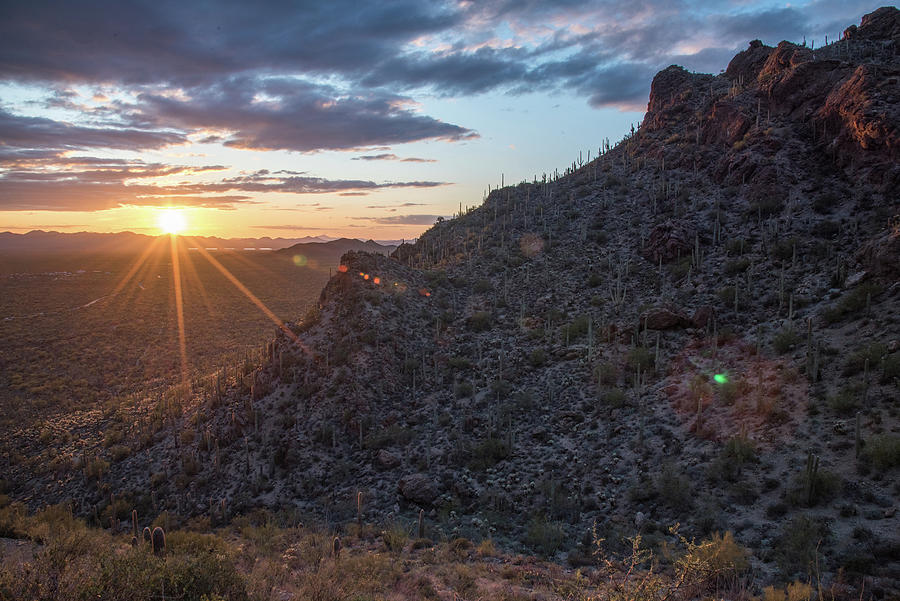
{"x": 700, "y": 326}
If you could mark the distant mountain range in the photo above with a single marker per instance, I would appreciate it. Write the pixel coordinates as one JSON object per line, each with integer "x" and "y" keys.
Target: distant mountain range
{"x": 39, "y": 241}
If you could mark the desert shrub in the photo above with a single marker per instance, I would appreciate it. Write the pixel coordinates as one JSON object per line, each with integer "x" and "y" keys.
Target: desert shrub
{"x": 674, "y": 488}
{"x": 765, "y": 206}
{"x": 852, "y": 303}
{"x": 785, "y": 340}
{"x": 119, "y": 452}
{"x": 96, "y": 468}
{"x": 736, "y": 266}
{"x": 458, "y": 362}
{"x": 735, "y": 246}
{"x": 845, "y": 401}
{"x": 479, "y": 322}
{"x": 487, "y": 454}
{"x": 857, "y": 361}
{"x": 483, "y": 285}
{"x": 784, "y": 248}
{"x": 827, "y": 229}
{"x": 594, "y": 280}
{"x": 537, "y": 357}
{"x": 796, "y": 591}
{"x": 722, "y": 554}
{"x": 393, "y": 435}
{"x": 825, "y": 202}
{"x": 500, "y": 388}
{"x": 613, "y": 397}
{"x": 462, "y": 389}
{"x": 577, "y": 328}
{"x": 738, "y": 451}
{"x": 544, "y": 536}
{"x": 639, "y": 358}
{"x": 726, "y": 295}
{"x": 607, "y": 373}
{"x": 883, "y": 451}
{"x": 795, "y": 549}
{"x": 890, "y": 368}
{"x": 394, "y": 537}
{"x": 112, "y": 436}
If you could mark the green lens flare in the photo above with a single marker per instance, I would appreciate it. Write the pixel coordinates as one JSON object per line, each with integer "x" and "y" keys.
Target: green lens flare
{"x": 720, "y": 378}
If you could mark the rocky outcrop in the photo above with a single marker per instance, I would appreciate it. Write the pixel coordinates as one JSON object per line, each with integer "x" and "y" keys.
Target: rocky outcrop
{"x": 418, "y": 488}
{"x": 669, "y": 241}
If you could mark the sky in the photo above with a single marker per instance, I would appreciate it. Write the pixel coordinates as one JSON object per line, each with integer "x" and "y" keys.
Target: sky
{"x": 338, "y": 118}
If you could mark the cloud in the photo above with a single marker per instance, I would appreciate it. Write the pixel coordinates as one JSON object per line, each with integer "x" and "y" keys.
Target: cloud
{"x": 391, "y": 157}
{"x": 243, "y": 76}
{"x": 288, "y": 114}
{"x": 403, "y": 219}
{"x": 29, "y": 134}
{"x": 401, "y": 205}
{"x": 92, "y": 187}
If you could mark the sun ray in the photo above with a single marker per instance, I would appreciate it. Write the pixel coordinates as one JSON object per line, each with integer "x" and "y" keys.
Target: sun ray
{"x": 252, "y": 297}
{"x": 196, "y": 283}
{"x": 136, "y": 265}
{"x": 179, "y": 308}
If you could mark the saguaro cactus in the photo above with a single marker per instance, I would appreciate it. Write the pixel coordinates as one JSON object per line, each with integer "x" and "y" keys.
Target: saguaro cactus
{"x": 159, "y": 541}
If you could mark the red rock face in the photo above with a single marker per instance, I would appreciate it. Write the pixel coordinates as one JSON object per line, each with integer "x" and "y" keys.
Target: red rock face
{"x": 843, "y": 101}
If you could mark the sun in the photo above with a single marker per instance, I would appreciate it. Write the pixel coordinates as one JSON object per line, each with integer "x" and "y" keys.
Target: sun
{"x": 171, "y": 221}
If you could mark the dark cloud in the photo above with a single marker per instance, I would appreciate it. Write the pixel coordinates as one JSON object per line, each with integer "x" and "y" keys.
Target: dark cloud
{"x": 243, "y": 73}
{"x": 185, "y": 43}
{"x": 111, "y": 186}
{"x": 31, "y": 133}
{"x": 289, "y": 114}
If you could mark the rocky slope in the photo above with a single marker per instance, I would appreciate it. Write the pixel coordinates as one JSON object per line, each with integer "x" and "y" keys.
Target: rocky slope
{"x": 700, "y": 326}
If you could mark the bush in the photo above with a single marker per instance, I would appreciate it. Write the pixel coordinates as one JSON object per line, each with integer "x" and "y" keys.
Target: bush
{"x": 883, "y": 452}
{"x": 482, "y": 286}
{"x": 786, "y": 339}
{"x": 393, "y": 435}
{"x": 851, "y": 303}
{"x": 736, "y": 266}
{"x": 577, "y": 328}
{"x": 394, "y": 536}
{"x": 639, "y": 358}
{"x": 674, "y": 488}
{"x": 857, "y": 361}
{"x": 795, "y": 549}
{"x": 544, "y": 536}
{"x": 487, "y": 454}
{"x": 845, "y": 401}
{"x": 462, "y": 389}
{"x": 537, "y": 357}
{"x": 479, "y": 322}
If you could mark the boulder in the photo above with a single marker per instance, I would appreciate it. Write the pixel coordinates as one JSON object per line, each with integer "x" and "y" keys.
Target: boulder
{"x": 387, "y": 460}
{"x": 661, "y": 318}
{"x": 418, "y": 488}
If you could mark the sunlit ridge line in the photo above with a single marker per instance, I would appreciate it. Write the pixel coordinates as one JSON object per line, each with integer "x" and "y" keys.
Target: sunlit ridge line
{"x": 252, "y": 297}
{"x": 179, "y": 308}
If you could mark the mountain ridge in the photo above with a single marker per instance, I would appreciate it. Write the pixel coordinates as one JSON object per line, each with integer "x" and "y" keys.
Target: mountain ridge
{"x": 697, "y": 327}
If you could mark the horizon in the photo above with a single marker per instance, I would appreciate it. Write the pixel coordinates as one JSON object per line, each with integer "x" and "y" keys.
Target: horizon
{"x": 398, "y": 116}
